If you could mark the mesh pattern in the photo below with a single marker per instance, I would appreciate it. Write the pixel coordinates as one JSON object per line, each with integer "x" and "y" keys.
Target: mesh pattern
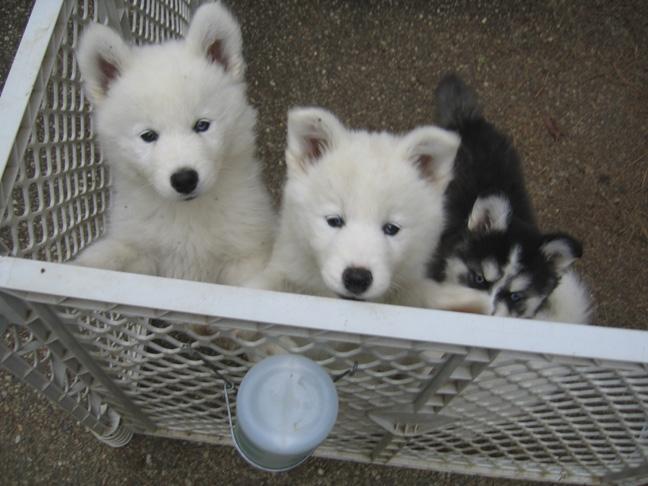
{"x": 410, "y": 403}
{"x": 59, "y": 195}
{"x": 42, "y": 362}
{"x": 159, "y": 21}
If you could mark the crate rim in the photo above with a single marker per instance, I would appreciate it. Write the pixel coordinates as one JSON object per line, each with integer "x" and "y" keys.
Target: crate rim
{"x": 308, "y": 312}
{"x": 21, "y": 79}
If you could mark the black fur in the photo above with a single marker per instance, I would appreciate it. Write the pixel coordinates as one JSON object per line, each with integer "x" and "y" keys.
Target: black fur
{"x": 488, "y": 165}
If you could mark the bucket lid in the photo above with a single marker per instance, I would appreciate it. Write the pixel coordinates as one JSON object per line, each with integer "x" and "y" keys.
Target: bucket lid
{"x": 286, "y": 405}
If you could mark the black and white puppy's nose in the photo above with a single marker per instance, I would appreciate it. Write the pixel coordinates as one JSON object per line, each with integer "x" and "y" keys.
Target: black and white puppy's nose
{"x": 185, "y": 181}
{"x": 356, "y": 279}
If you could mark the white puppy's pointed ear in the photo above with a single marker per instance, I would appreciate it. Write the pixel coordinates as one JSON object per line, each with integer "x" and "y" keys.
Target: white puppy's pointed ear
{"x": 102, "y": 56}
{"x": 215, "y": 34}
{"x": 491, "y": 213}
{"x": 561, "y": 250}
{"x": 311, "y": 133}
{"x": 432, "y": 150}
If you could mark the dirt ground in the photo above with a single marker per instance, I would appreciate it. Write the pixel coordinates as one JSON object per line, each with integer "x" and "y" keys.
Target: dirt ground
{"x": 376, "y": 64}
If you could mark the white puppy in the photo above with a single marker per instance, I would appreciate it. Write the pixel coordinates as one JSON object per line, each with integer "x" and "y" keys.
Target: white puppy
{"x": 361, "y": 213}
{"x": 176, "y": 129}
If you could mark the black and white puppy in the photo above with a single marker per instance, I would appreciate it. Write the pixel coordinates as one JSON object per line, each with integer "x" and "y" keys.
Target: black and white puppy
{"x": 491, "y": 240}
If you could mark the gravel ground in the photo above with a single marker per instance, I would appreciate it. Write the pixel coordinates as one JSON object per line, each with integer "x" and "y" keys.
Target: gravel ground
{"x": 376, "y": 64}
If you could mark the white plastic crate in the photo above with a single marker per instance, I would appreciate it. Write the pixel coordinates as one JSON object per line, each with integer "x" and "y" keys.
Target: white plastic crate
{"x": 435, "y": 390}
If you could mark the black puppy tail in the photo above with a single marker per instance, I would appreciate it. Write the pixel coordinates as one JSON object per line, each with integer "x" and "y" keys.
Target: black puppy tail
{"x": 456, "y": 103}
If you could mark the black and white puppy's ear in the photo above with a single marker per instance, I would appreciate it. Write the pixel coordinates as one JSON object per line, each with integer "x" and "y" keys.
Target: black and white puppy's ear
{"x": 215, "y": 34}
{"x": 432, "y": 151}
{"x": 490, "y": 213}
{"x": 312, "y": 132}
{"x": 560, "y": 250}
{"x": 102, "y": 56}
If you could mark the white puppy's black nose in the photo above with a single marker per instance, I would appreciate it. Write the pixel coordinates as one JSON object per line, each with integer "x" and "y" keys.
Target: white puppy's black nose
{"x": 356, "y": 279}
{"x": 185, "y": 181}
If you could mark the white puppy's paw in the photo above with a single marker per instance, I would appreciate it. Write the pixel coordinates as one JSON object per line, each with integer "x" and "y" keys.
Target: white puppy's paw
{"x": 115, "y": 255}
{"x": 269, "y": 279}
{"x": 454, "y": 297}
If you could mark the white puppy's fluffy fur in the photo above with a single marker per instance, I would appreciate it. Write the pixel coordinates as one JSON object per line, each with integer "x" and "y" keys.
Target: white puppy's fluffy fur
{"x": 361, "y": 212}
{"x": 569, "y": 302}
{"x": 177, "y": 131}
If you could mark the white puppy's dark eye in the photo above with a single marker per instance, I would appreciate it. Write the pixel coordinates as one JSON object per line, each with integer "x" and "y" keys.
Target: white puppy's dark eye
{"x": 335, "y": 221}
{"x": 149, "y": 136}
{"x": 201, "y": 126}
{"x": 391, "y": 229}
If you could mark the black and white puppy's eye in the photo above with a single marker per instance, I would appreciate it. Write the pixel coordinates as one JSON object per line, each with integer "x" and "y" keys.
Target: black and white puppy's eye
{"x": 391, "y": 229}
{"x": 514, "y": 296}
{"x": 479, "y": 282}
{"x": 149, "y": 136}
{"x": 334, "y": 221}
{"x": 201, "y": 126}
